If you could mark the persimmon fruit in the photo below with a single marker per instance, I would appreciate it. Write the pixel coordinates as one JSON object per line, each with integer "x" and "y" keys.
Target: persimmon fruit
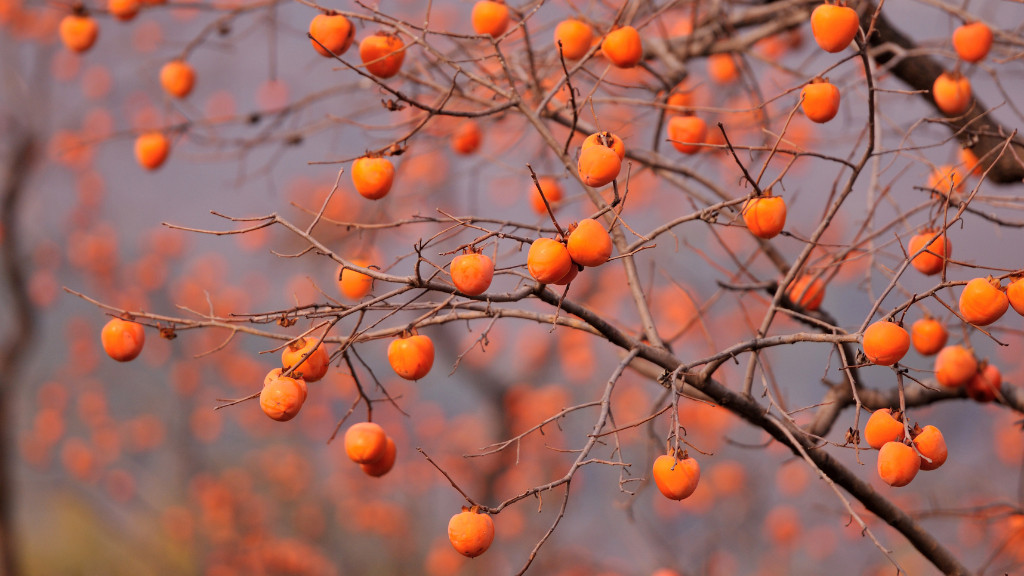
{"x": 932, "y": 259}
{"x": 365, "y": 442}
{"x": 928, "y": 336}
{"x": 898, "y": 464}
{"x": 177, "y": 78}
{"x": 820, "y": 100}
{"x": 373, "y": 176}
{"x": 972, "y": 41}
{"x": 598, "y": 166}
{"x": 152, "y": 149}
{"x": 472, "y": 273}
{"x": 354, "y": 285}
{"x": 382, "y": 54}
{"x": 314, "y": 367}
{"x": 952, "y": 93}
{"x": 623, "y": 47}
{"x": 576, "y": 37}
{"x": 489, "y": 18}
{"x": 834, "y": 27}
{"x": 885, "y": 343}
{"x": 955, "y": 366}
{"x": 676, "y": 475}
{"x": 411, "y": 357}
{"x": 687, "y": 133}
{"x": 983, "y": 301}
{"x": 931, "y": 445}
{"x": 334, "y": 32}
{"x": 471, "y": 532}
{"x": 123, "y": 339}
{"x": 589, "y": 243}
{"x": 765, "y": 216}
{"x": 78, "y": 32}
{"x": 548, "y": 260}
{"x": 883, "y": 426}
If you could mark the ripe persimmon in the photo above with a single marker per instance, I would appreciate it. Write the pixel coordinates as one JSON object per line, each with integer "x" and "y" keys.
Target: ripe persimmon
{"x": 885, "y": 343}
{"x": 412, "y": 357}
{"x": 382, "y": 54}
{"x": 354, "y": 285}
{"x": 687, "y": 133}
{"x": 472, "y": 273}
{"x": 471, "y": 532}
{"x": 928, "y": 336}
{"x": 312, "y": 368}
{"x": 275, "y": 373}
{"x": 1015, "y": 294}
{"x": 623, "y": 47}
{"x": 722, "y": 68}
{"x": 467, "y": 137}
{"x": 946, "y": 179}
{"x": 373, "y": 176}
{"x": 589, "y": 243}
{"x": 177, "y": 78}
{"x": 489, "y": 18}
{"x": 820, "y": 100}
{"x": 930, "y": 443}
{"x": 78, "y": 32}
{"x": 151, "y": 149}
{"x": 576, "y": 37}
{"x": 882, "y": 427}
{"x": 898, "y": 464}
{"x": 952, "y": 93}
{"x": 676, "y": 475}
{"x": 983, "y": 301}
{"x": 972, "y": 41}
{"x": 385, "y": 463}
{"x": 834, "y": 27}
{"x": 365, "y": 442}
{"x": 548, "y": 260}
{"x": 765, "y": 216}
{"x": 282, "y": 398}
{"x": 598, "y": 165}
{"x": 333, "y": 31}
{"x": 985, "y": 385}
{"x": 123, "y": 10}
{"x": 605, "y": 139}
{"x": 930, "y": 261}
{"x": 552, "y": 191}
{"x": 122, "y": 339}
{"x": 807, "y": 292}
{"x": 955, "y": 366}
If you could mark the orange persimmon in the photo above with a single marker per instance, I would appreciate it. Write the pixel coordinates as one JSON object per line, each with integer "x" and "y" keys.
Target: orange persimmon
{"x": 333, "y": 31}
{"x": 983, "y": 301}
{"x": 676, "y": 475}
{"x": 952, "y": 93}
{"x": 412, "y": 357}
{"x": 765, "y": 216}
{"x": 365, "y": 442}
{"x": 834, "y": 27}
{"x": 576, "y": 37}
{"x": 687, "y": 133}
{"x": 177, "y": 78}
{"x": 972, "y": 41}
{"x": 548, "y": 260}
{"x": 928, "y": 336}
{"x": 472, "y": 273}
{"x": 882, "y": 427}
{"x": 955, "y": 366}
{"x": 471, "y": 532}
{"x": 373, "y": 176}
{"x": 382, "y": 54}
{"x": 820, "y": 100}
{"x": 589, "y": 243}
{"x": 898, "y": 464}
{"x": 489, "y": 18}
{"x": 122, "y": 339}
{"x": 314, "y": 367}
{"x": 623, "y": 47}
{"x": 151, "y": 150}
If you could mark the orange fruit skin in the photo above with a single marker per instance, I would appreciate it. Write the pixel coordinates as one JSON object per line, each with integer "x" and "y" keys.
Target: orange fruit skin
{"x": 382, "y": 55}
{"x": 372, "y": 177}
{"x": 122, "y": 340}
{"x": 885, "y": 343}
{"x": 955, "y": 366}
{"x": 282, "y": 398}
{"x": 123, "y": 10}
{"x": 985, "y": 384}
{"x": 335, "y": 33}
{"x": 931, "y": 444}
{"x": 972, "y": 41}
{"x": 472, "y": 273}
{"x": 412, "y": 357}
{"x": 354, "y": 285}
{"x": 548, "y": 260}
{"x": 471, "y": 533}
{"x": 385, "y": 463}
{"x": 576, "y": 37}
{"x": 807, "y": 292}
{"x": 467, "y": 138}
{"x": 722, "y": 68}
{"x": 834, "y": 27}
{"x": 820, "y": 101}
{"x": 881, "y": 428}
{"x": 898, "y": 464}
{"x": 945, "y": 178}
{"x": 929, "y": 262}
{"x": 687, "y": 133}
{"x": 312, "y": 368}
{"x": 623, "y": 47}
{"x": 614, "y": 142}
{"x": 1015, "y": 294}
{"x": 177, "y": 78}
{"x": 982, "y": 303}
{"x": 365, "y": 442}
{"x": 275, "y": 373}
{"x": 78, "y": 33}
{"x": 952, "y": 94}
{"x": 765, "y": 216}
{"x": 676, "y": 479}
{"x": 151, "y": 150}
{"x": 928, "y": 336}
{"x": 489, "y": 18}
{"x": 589, "y": 244}
{"x": 598, "y": 166}
{"x": 569, "y": 276}
{"x": 552, "y": 190}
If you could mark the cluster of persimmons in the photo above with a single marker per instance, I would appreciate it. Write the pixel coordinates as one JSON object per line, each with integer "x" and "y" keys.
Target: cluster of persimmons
{"x": 903, "y": 450}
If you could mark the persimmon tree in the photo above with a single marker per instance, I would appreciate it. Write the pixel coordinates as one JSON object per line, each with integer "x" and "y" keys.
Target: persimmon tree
{"x": 716, "y": 227}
